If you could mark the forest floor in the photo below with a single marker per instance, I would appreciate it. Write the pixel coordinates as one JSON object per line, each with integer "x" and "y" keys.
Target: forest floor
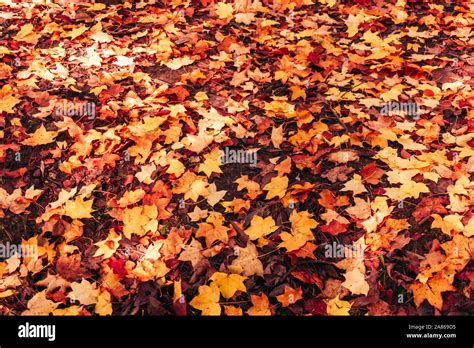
{"x": 254, "y": 157}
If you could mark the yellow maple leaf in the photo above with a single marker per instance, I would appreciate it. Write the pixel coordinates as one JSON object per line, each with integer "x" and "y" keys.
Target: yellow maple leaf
{"x": 394, "y": 92}
{"x": 26, "y": 34}
{"x": 224, "y": 10}
{"x": 277, "y": 136}
{"x": 228, "y": 284}
{"x": 210, "y": 165}
{"x": 79, "y": 208}
{"x": 297, "y": 92}
{"x": 260, "y": 227}
{"x": 448, "y": 223}
{"x": 69, "y": 311}
{"x": 207, "y": 301}
{"x": 176, "y": 167}
{"x": 276, "y": 187}
{"x": 40, "y": 137}
{"x": 131, "y": 197}
{"x": 144, "y": 175}
{"x": 352, "y": 23}
{"x": 301, "y": 226}
{"x": 251, "y": 186}
{"x": 104, "y": 304}
{"x": 338, "y": 307}
{"x": 302, "y": 223}
{"x": 7, "y": 101}
{"x": 108, "y": 247}
{"x": 193, "y": 253}
{"x": 197, "y": 188}
{"x": 292, "y": 242}
{"x": 139, "y": 220}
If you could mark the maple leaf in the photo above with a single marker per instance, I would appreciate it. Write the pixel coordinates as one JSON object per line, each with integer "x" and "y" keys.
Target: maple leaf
{"x": 69, "y": 267}
{"x": 290, "y": 296}
{"x": 228, "y": 284}
{"x": 431, "y": 291}
{"x": 261, "y": 306}
{"x": 210, "y": 166}
{"x": 198, "y": 188}
{"x": 339, "y": 173}
{"x": 361, "y": 210}
{"x": 301, "y": 226}
{"x": 109, "y": 246}
{"x": 176, "y": 167}
{"x": 260, "y": 227}
{"x": 371, "y": 174}
{"x": 213, "y": 232}
{"x": 103, "y": 305}
{"x": 247, "y": 262}
{"x": 7, "y": 101}
{"x": 40, "y": 137}
{"x": 407, "y": 190}
{"x": 177, "y": 63}
{"x": 198, "y": 214}
{"x": 148, "y": 269}
{"x": 207, "y": 301}
{"x": 40, "y": 305}
{"x": 139, "y": 220}
{"x": 98, "y": 35}
{"x": 355, "y": 282}
{"x": 355, "y": 185}
{"x": 224, "y": 10}
{"x": 276, "y": 187}
{"x": 79, "y": 208}
{"x": 26, "y": 34}
{"x": 233, "y": 311}
{"x": 334, "y": 227}
{"x": 251, "y": 186}
{"x": 145, "y": 174}
{"x": 131, "y": 197}
{"x": 448, "y": 223}
{"x": 75, "y": 32}
{"x": 213, "y": 196}
{"x": 338, "y": 307}
{"x": 277, "y": 136}
{"x": 84, "y": 292}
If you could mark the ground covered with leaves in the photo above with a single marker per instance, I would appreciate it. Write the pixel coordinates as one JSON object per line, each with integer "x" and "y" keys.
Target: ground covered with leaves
{"x": 115, "y": 120}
